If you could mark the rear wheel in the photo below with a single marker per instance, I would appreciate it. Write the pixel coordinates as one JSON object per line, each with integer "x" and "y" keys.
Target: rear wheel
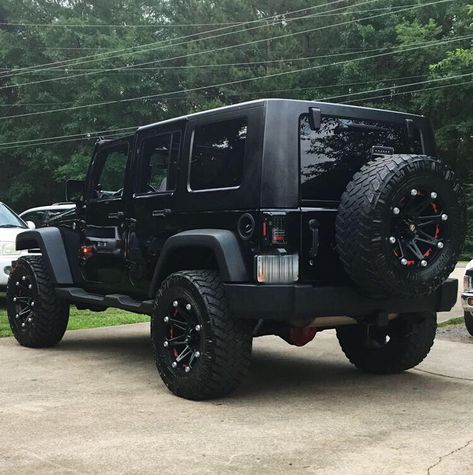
{"x": 201, "y": 351}
{"x": 37, "y": 317}
{"x": 402, "y": 345}
{"x": 469, "y": 322}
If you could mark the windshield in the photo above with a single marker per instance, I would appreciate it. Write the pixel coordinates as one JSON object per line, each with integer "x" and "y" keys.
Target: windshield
{"x": 8, "y": 219}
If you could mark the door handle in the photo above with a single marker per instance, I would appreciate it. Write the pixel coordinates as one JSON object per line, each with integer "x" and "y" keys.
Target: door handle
{"x": 161, "y": 213}
{"x": 118, "y": 215}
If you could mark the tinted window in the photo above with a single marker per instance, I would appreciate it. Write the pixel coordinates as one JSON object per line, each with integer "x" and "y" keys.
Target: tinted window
{"x": 160, "y": 155}
{"x": 330, "y": 156}
{"x": 217, "y": 155}
{"x": 38, "y": 217}
{"x": 111, "y": 167}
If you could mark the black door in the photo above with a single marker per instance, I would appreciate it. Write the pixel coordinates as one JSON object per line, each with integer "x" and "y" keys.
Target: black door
{"x": 151, "y": 211}
{"x": 103, "y": 250}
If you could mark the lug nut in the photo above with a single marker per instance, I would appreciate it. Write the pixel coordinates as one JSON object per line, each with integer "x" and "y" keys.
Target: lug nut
{"x": 23, "y": 278}
{"x": 392, "y": 240}
{"x": 30, "y": 319}
{"x": 433, "y": 195}
{"x": 175, "y": 303}
{"x": 17, "y": 315}
{"x": 14, "y": 299}
{"x": 414, "y": 192}
{"x": 440, "y": 245}
{"x": 166, "y": 319}
{"x": 423, "y": 263}
{"x": 396, "y": 211}
{"x": 187, "y": 369}
{"x": 174, "y": 364}
{"x": 444, "y": 217}
{"x": 166, "y": 344}
{"x": 23, "y": 325}
{"x": 197, "y": 354}
{"x": 198, "y": 328}
{"x": 30, "y": 286}
{"x": 188, "y": 306}
{"x": 32, "y": 304}
{"x": 17, "y": 283}
{"x": 404, "y": 261}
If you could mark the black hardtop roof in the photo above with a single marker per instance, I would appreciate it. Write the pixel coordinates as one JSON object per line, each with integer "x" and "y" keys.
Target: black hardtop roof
{"x": 264, "y": 102}
{"x": 305, "y": 104}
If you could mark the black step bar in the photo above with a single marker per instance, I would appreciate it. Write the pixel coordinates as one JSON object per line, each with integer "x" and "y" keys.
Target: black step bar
{"x": 77, "y": 295}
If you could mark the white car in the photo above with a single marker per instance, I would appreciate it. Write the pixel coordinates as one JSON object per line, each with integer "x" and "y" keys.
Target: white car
{"x": 10, "y": 226}
{"x": 41, "y": 215}
{"x": 467, "y": 297}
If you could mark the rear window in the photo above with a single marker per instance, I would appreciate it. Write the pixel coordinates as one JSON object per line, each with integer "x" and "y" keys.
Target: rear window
{"x": 218, "y": 153}
{"x": 331, "y": 155}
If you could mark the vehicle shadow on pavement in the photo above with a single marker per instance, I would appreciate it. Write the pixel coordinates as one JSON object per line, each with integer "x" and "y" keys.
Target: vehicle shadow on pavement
{"x": 276, "y": 370}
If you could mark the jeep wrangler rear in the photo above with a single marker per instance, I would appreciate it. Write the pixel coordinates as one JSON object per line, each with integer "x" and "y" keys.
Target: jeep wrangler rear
{"x": 269, "y": 217}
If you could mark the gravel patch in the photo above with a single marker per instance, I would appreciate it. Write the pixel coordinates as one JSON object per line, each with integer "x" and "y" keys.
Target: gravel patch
{"x": 456, "y": 333}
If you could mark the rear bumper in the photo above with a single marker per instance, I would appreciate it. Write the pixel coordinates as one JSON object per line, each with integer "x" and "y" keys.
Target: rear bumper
{"x": 291, "y": 302}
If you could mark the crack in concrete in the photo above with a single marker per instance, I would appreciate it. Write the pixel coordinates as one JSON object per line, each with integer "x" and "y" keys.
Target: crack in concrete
{"x": 443, "y": 375}
{"x": 443, "y": 457}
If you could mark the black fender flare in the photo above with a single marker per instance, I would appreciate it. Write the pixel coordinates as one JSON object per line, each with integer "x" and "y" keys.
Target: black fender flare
{"x": 224, "y": 245}
{"x": 51, "y": 245}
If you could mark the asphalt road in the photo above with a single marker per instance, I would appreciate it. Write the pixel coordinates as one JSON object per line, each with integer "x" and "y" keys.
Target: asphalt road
{"x": 95, "y": 404}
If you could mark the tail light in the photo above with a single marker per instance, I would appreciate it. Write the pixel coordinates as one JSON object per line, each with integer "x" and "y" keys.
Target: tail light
{"x": 274, "y": 228}
{"x": 277, "y": 268}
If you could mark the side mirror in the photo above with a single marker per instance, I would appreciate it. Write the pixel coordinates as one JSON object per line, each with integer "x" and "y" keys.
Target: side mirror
{"x": 30, "y": 225}
{"x": 75, "y": 190}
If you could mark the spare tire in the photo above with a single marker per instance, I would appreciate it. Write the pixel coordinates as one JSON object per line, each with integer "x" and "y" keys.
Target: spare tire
{"x": 401, "y": 225}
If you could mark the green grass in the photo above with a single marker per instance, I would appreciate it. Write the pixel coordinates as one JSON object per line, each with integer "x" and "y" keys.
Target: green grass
{"x": 80, "y": 319}
{"x": 452, "y": 321}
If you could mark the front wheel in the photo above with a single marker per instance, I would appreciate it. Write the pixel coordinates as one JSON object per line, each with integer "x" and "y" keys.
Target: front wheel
{"x": 469, "y": 322}
{"x": 403, "y": 345}
{"x": 37, "y": 317}
{"x": 201, "y": 351}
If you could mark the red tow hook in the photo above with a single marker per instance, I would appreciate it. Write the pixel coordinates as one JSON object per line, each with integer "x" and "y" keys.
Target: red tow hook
{"x": 300, "y": 336}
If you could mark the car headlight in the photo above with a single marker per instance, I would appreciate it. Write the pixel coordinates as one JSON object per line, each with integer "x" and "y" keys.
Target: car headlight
{"x": 468, "y": 283}
{"x": 8, "y": 248}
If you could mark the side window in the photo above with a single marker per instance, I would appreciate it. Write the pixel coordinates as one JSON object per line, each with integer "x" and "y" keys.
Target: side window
{"x": 110, "y": 175}
{"x": 159, "y": 158}
{"x": 217, "y": 155}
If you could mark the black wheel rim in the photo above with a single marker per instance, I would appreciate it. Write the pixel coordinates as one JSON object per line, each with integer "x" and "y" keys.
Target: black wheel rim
{"x": 183, "y": 340}
{"x": 417, "y": 234}
{"x": 24, "y": 302}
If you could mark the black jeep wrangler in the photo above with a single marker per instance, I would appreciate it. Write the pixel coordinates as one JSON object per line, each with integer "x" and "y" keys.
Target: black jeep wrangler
{"x": 269, "y": 217}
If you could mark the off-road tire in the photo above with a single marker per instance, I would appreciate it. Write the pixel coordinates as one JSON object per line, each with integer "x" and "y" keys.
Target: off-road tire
{"x": 49, "y": 316}
{"x": 411, "y": 337}
{"x": 365, "y": 218}
{"x": 225, "y": 342}
{"x": 469, "y": 322}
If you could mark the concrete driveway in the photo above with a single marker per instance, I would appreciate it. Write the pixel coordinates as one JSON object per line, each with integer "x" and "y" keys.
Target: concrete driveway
{"x": 95, "y": 404}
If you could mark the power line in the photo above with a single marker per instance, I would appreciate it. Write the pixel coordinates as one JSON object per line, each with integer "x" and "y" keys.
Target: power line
{"x": 118, "y": 134}
{"x": 446, "y": 78}
{"x": 325, "y": 86}
{"x": 171, "y": 58}
{"x": 98, "y": 56}
{"x": 132, "y": 69}
{"x": 161, "y": 25}
{"x": 232, "y": 46}
{"x": 410, "y": 92}
{"x": 229, "y": 83}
